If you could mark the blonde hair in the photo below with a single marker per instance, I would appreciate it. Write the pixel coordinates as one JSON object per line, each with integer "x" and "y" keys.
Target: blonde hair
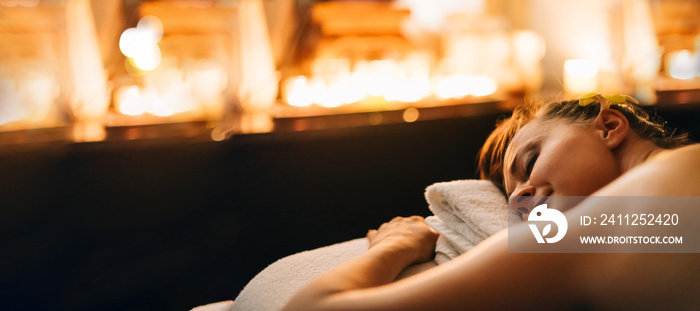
{"x": 492, "y": 152}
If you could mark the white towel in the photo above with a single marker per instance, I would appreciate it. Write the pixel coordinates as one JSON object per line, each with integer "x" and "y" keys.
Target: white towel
{"x": 466, "y": 212}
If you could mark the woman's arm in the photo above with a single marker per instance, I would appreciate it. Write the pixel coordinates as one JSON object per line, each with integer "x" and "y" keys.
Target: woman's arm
{"x": 393, "y": 247}
{"x": 486, "y": 277}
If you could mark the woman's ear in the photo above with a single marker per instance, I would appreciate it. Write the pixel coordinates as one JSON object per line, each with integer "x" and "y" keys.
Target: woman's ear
{"x": 612, "y": 127}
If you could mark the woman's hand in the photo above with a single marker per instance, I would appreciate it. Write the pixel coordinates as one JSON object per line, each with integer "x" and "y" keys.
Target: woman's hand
{"x": 410, "y": 236}
{"x": 393, "y": 247}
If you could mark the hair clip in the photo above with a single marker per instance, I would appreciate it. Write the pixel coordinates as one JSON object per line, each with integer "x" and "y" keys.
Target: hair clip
{"x": 605, "y": 100}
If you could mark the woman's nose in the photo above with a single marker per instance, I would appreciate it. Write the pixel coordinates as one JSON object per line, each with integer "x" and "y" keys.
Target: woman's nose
{"x": 521, "y": 199}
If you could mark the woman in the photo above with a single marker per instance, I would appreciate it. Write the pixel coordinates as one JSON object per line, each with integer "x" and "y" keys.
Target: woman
{"x": 598, "y": 145}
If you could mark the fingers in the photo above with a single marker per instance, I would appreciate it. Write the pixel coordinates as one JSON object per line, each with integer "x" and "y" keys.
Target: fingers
{"x": 407, "y": 234}
{"x": 414, "y": 217}
{"x": 411, "y": 218}
{"x": 399, "y": 219}
{"x": 398, "y": 222}
{"x": 371, "y": 234}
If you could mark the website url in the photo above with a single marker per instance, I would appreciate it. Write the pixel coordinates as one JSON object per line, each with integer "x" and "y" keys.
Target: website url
{"x": 631, "y": 240}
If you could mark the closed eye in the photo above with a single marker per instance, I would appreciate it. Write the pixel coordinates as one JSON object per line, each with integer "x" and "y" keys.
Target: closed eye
{"x": 531, "y": 164}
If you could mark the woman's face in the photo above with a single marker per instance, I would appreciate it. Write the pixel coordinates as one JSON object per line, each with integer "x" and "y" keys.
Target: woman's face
{"x": 557, "y": 158}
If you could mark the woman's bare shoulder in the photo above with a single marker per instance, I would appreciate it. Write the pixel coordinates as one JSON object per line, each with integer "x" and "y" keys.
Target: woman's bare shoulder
{"x": 671, "y": 173}
{"x": 624, "y": 280}
{"x": 689, "y": 152}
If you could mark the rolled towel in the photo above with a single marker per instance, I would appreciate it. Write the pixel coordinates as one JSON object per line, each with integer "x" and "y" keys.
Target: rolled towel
{"x": 450, "y": 243}
{"x": 466, "y": 212}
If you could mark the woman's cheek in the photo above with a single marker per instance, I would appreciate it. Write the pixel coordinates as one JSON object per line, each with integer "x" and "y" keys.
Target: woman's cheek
{"x": 568, "y": 175}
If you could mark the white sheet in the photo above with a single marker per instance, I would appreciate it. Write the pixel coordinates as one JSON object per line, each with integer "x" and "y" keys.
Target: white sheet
{"x": 276, "y": 284}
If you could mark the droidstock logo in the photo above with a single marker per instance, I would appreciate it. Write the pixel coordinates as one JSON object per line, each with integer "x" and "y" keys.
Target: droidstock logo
{"x": 542, "y": 213}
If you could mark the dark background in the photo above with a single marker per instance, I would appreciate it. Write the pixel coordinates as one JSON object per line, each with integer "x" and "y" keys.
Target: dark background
{"x": 176, "y": 223}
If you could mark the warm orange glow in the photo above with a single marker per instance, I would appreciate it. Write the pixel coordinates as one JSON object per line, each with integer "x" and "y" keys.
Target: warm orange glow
{"x": 207, "y": 81}
{"x": 129, "y": 101}
{"x": 197, "y": 89}
{"x": 580, "y": 76}
{"x": 152, "y": 26}
{"x": 529, "y": 47}
{"x": 681, "y": 64}
{"x": 580, "y": 68}
{"x": 458, "y": 86}
{"x": 88, "y": 132}
{"x": 10, "y": 111}
{"x": 411, "y": 115}
{"x": 130, "y": 41}
{"x": 149, "y": 58}
{"x": 29, "y": 98}
{"x": 259, "y": 85}
{"x": 381, "y": 81}
{"x": 160, "y": 106}
{"x": 20, "y": 3}
{"x": 134, "y": 101}
{"x": 333, "y": 84}
{"x": 141, "y": 43}
{"x": 375, "y": 118}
